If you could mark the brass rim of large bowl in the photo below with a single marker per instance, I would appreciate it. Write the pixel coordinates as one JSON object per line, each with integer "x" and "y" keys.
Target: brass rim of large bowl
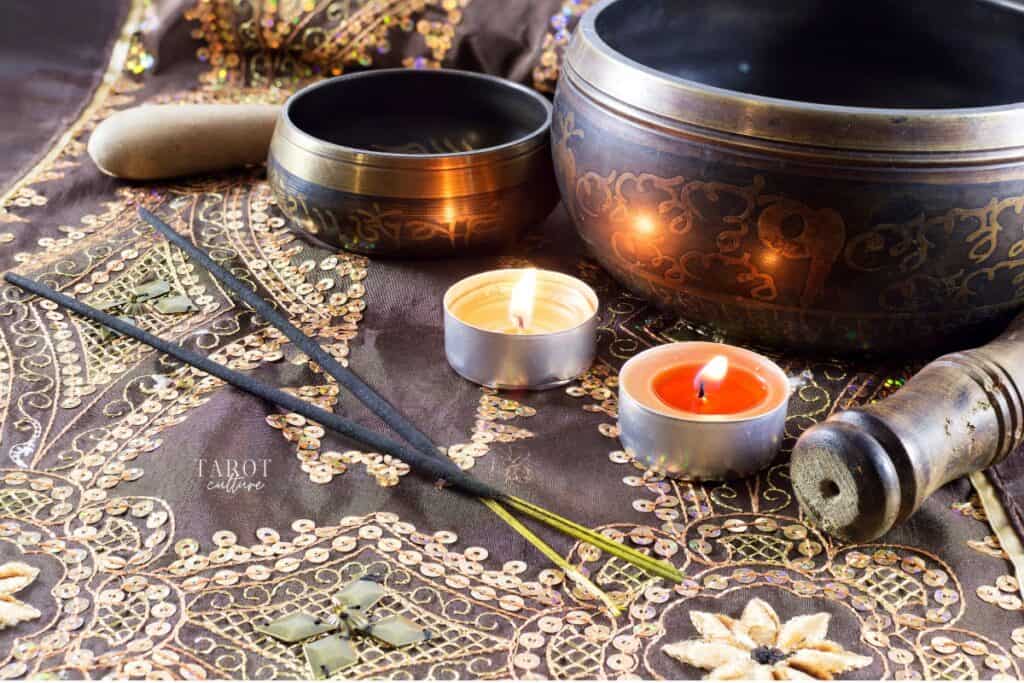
{"x": 969, "y": 135}
{"x": 415, "y": 176}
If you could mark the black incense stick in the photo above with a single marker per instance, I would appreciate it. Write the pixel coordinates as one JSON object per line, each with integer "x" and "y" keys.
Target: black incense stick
{"x": 440, "y": 469}
{"x": 376, "y": 403}
{"x": 424, "y": 457}
{"x": 397, "y": 421}
{"x": 422, "y": 463}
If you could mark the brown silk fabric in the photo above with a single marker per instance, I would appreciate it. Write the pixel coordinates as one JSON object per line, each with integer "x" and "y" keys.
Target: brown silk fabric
{"x": 47, "y": 77}
{"x": 167, "y": 513}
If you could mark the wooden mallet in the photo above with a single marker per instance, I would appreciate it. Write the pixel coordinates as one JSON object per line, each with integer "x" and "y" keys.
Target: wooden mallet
{"x": 862, "y": 471}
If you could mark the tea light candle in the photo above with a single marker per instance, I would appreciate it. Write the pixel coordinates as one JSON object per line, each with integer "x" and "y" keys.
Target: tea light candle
{"x": 702, "y": 411}
{"x": 520, "y": 328}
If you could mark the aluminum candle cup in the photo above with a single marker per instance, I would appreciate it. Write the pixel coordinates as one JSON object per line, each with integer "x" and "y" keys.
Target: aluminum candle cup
{"x": 520, "y": 328}
{"x": 702, "y": 411}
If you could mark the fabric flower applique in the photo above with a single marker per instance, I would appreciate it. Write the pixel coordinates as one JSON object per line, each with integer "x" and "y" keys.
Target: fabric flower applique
{"x": 13, "y": 577}
{"x": 758, "y": 647}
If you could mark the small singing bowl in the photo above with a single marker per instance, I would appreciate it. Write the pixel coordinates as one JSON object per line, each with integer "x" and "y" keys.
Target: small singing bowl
{"x": 413, "y": 163}
{"x": 694, "y": 446}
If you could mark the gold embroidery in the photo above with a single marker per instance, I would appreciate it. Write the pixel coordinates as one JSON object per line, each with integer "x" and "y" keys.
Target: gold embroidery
{"x": 971, "y": 508}
{"x": 282, "y": 45}
{"x": 560, "y": 26}
{"x": 492, "y": 413}
{"x": 1005, "y": 593}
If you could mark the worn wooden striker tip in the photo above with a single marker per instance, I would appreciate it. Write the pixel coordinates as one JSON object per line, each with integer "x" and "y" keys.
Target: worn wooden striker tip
{"x": 863, "y": 471}
{"x": 845, "y": 480}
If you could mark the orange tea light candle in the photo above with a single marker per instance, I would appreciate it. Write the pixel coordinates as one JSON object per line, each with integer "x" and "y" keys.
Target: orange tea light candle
{"x": 699, "y": 410}
{"x": 711, "y": 388}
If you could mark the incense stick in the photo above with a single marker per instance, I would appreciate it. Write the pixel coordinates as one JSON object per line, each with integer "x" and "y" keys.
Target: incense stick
{"x": 312, "y": 412}
{"x": 571, "y": 572}
{"x": 355, "y": 384}
{"x": 611, "y": 546}
{"x": 384, "y": 410}
{"x": 439, "y": 469}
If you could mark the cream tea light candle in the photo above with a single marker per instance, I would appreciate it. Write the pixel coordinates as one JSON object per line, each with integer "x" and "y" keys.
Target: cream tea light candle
{"x": 520, "y": 328}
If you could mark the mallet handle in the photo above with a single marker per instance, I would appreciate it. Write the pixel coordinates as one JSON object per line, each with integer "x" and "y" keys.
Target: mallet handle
{"x": 863, "y": 470}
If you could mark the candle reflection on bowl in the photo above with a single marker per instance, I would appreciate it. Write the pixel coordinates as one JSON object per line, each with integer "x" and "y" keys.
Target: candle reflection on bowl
{"x": 703, "y": 411}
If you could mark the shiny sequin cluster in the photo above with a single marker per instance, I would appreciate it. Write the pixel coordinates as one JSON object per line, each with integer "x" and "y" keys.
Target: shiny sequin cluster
{"x": 971, "y": 508}
{"x": 1005, "y": 593}
{"x": 548, "y": 633}
{"x": 283, "y": 44}
{"x": 674, "y": 503}
{"x": 560, "y": 25}
{"x": 600, "y": 384}
{"x": 334, "y": 284}
{"x": 1017, "y": 635}
{"x": 138, "y": 58}
{"x": 950, "y": 657}
{"x": 989, "y": 545}
{"x": 897, "y": 580}
{"x": 19, "y": 197}
{"x": 323, "y": 466}
{"x": 492, "y": 412}
{"x": 111, "y": 541}
{"x": 23, "y": 197}
{"x": 764, "y": 539}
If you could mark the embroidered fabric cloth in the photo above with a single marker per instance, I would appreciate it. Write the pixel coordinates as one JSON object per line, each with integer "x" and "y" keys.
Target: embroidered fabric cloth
{"x": 162, "y": 515}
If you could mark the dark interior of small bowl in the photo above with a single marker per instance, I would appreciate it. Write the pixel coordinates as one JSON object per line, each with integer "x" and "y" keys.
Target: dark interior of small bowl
{"x": 868, "y": 53}
{"x": 417, "y": 112}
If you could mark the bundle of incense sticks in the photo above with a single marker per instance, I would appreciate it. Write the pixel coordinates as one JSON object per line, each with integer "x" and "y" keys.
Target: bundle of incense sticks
{"x": 421, "y": 454}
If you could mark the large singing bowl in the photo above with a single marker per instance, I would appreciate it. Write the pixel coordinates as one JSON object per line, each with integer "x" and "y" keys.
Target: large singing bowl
{"x": 844, "y": 176}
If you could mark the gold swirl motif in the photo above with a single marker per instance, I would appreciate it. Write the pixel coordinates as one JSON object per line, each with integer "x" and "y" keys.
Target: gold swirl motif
{"x": 820, "y": 240}
{"x": 648, "y": 215}
{"x": 651, "y": 214}
{"x": 366, "y": 225}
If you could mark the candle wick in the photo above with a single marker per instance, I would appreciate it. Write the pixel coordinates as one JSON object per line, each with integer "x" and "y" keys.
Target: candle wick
{"x": 700, "y": 390}
{"x": 520, "y": 323}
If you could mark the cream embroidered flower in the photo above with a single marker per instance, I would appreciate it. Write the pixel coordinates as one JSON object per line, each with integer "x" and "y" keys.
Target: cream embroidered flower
{"x": 758, "y": 647}
{"x": 13, "y": 577}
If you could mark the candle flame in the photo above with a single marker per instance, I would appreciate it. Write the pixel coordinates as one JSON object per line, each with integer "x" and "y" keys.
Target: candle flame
{"x": 711, "y": 375}
{"x": 520, "y": 306}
